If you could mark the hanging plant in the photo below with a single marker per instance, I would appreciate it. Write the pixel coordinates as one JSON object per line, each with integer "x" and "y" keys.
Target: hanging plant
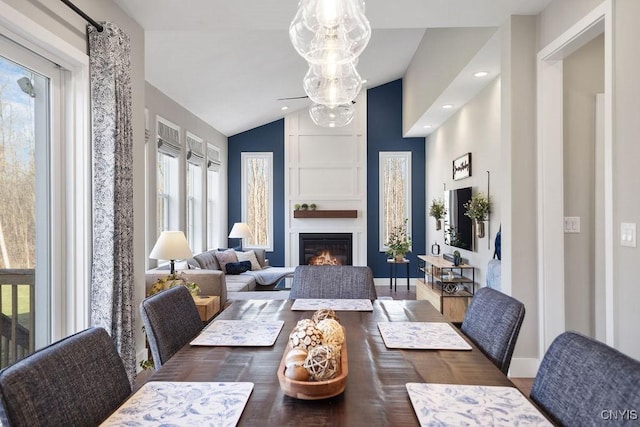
{"x": 438, "y": 211}
{"x": 479, "y": 207}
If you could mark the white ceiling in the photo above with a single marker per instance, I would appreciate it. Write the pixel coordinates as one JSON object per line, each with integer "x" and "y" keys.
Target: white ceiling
{"x": 228, "y": 62}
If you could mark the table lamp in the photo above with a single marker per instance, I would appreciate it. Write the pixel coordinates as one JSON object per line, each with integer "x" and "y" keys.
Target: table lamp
{"x": 240, "y": 230}
{"x": 171, "y": 245}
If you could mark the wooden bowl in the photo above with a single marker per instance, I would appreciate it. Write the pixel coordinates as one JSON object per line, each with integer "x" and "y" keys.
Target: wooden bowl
{"x": 315, "y": 390}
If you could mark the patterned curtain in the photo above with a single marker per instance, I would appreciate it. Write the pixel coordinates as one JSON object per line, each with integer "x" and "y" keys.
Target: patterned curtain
{"x": 112, "y": 266}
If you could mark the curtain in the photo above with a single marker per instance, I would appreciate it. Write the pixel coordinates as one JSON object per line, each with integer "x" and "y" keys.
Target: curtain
{"x": 112, "y": 281}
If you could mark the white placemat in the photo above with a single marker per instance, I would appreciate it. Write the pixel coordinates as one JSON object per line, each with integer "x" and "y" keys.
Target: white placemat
{"x": 472, "y": 405}
{"x": 421, "y": 336}
{"x": 334, "y": 304}
{"x": 183, "y": 403}
{"x": 249, "y": 333}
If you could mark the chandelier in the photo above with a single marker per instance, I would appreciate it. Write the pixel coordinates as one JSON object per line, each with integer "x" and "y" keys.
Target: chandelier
{"x": 330, "y": 35}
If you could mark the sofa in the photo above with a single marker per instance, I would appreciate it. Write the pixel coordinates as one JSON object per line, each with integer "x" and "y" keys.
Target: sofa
{"x": 205, "y": 270}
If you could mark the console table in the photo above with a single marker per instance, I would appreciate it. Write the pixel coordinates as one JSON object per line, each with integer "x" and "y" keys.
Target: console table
{"x": 447, "y": 286}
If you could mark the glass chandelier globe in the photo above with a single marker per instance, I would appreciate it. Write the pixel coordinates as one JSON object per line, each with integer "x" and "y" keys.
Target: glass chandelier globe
{"x": 323, "y": 28}
{"x": 331, "y": 117}
{"x": 334, "y": 85}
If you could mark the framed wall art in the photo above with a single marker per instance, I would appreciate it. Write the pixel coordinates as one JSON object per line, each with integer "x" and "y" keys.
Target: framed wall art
{"x": 462, "y": 167}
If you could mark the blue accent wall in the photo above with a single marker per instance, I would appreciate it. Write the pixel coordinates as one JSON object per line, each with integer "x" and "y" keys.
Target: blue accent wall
{"x": 267, "y": 138}
{"x": 384, "y": 133}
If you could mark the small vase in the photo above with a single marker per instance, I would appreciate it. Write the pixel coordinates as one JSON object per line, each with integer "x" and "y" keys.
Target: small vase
{"x": 480, "y": 229}
{"x": 457, "y": 259}
{"x": 399, "y": 257}
{"x": 438, "y": 224}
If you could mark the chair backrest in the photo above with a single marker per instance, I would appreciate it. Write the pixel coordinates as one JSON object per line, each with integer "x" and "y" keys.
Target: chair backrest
{"x": 170, "y": 320}
{"x": 79, "y": 380}
{"x": 493, "y": 322}
{"x": 583, "y": 382}
{"x": 333, "y": 281}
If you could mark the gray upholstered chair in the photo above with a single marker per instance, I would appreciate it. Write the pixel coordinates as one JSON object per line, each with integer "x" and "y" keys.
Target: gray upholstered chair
{"x": 583, "y": 382}
{"x": 76, "y": 381}
{"x": 170, "y": 320}
{"x": 493, "y": 322}
{"x": 332, "y": 281}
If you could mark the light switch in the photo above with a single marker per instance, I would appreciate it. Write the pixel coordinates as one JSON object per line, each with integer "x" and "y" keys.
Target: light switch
{"x": 628, "y": 234}
{"x": 571, "y": 224}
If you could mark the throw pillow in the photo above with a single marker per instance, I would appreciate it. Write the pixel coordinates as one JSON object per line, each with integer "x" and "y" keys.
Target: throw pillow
{"x": 251, "y": 257}
{"x": 238, "y": 267}
{"x": 225, "y": 257}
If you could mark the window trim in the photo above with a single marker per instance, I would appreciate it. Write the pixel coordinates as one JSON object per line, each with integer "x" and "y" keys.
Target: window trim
{"x": 383, "y": 156}
{"x": 244, "y": 157}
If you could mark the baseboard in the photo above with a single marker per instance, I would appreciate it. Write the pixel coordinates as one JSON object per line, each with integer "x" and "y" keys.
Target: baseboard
{"x": 522, "y": 367}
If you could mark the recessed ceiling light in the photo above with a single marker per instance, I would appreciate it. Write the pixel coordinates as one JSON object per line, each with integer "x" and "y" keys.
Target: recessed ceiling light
{"x": 427, "y": 126}
{"x": 481, "y": 74}
{"x": 284, "y": 108}
{"x": 364, "y": 81}
{"x": 447, "y": 106}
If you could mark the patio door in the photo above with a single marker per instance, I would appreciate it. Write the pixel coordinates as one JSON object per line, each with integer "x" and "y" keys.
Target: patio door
{"x": 29, "y": 88}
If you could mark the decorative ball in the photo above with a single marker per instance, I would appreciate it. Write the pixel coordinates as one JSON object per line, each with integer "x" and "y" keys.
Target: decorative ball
{"x": 332, "y": 333}
{"x": 303, "y": 323}
{"x": 296, "y": 372}
{"x": 325, "y": 313}
{"x": 295, "y": 356}
{"x": 305, "y": 336}
{"x": 321, "y": 363}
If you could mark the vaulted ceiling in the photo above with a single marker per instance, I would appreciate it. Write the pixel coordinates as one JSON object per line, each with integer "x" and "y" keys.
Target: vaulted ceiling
{"x": 228, "y": 62}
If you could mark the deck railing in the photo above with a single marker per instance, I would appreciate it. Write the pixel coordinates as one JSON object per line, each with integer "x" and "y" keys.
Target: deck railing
{"x": 17, "y": 291}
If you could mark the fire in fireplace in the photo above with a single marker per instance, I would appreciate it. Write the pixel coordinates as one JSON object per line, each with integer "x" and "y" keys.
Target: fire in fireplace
{"x": 325, "y": 249}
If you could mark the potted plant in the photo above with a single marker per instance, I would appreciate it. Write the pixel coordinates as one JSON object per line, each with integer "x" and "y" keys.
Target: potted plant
{"x": 438, "y": 211}
{"x": 304, "y": 206}
{"x": 478, "y": 209}
{"x": 399, "y": 242}
{"x": 457, "y": 259}
{"x": 296, "y": 206}
{"x": 313, "y": 206}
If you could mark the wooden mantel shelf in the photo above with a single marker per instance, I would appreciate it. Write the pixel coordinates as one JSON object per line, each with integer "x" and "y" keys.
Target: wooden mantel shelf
{"x": 325, "y": 214}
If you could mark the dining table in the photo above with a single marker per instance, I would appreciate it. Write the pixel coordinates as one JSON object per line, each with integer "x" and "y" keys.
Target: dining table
{"x": 375, "y": 393}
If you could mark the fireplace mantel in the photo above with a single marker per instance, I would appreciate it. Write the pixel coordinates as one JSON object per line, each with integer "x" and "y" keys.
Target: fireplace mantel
{"x": 325, "y": 214}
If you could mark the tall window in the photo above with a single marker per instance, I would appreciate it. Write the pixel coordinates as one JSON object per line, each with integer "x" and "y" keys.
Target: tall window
{"x": 28, "y": 83}
{"x": 213, "y": 197}
{"x": 257, "y": 198}
{"x": 395, "y": 193}
{"x": 167, "y": 176}
{"x": 195, "y": 162}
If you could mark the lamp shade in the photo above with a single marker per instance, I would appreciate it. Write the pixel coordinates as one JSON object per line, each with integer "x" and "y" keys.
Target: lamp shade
{"x": 171, "y": 245}
{"x": 240, "y": 230}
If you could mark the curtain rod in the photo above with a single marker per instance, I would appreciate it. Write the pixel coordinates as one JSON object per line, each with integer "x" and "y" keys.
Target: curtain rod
{"x": 84, "y": 15}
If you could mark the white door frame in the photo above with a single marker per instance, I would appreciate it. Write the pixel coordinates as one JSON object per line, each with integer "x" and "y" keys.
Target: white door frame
{"x": 550, "y": 172}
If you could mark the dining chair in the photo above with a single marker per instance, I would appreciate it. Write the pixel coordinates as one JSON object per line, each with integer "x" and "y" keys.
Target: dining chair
{"x": 493, "y": 322}
{"x": 333, "y": 281}
{"x": 170, "y": 320}
{"x": 584, "y": 382}
{"x": 78, "y": 380}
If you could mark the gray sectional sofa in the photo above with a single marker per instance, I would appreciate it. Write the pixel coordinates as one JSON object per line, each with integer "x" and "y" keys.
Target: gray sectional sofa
{"x": 204, "y": 269}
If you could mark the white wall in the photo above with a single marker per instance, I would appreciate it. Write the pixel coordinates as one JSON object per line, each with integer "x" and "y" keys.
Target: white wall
{"x": 326, "y": 166}
{"x": 583, "y": 79}
{"x": 475, "y": 128}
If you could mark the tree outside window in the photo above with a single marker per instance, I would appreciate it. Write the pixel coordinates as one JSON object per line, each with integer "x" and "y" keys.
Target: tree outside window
{"x": 257, "y": 203}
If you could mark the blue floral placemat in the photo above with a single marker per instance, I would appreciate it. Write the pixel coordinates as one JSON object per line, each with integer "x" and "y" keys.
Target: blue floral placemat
{"x": 183, "y": 403}
{"x": 421, "y": 336}
{"x": 472, "y": 405}
{"x": 232, "y": 333}
{"x": 303, "y": 304}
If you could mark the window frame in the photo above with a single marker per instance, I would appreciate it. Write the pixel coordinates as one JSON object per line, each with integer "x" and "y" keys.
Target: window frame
{"x": 245, "y": 156}
{"x": 383, "y": 157}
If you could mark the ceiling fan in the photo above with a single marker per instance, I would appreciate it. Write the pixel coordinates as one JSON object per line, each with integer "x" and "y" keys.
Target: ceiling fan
{"x": 300, "y": 97}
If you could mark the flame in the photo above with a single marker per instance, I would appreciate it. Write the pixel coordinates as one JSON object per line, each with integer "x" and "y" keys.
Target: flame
{"x": 324, "y": 258}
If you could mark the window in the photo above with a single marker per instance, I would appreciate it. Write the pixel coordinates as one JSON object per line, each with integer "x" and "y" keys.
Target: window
{"x": 257, "y": 198}
{"x": 43, "y": 297}
{"x": 167, "y": 176}
{"x": 214, "y": 232}
{"x": 395, "y": 193}
{"x": 195, "y": 162}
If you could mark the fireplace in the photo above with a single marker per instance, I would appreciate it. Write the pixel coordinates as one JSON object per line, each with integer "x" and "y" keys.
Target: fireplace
{"x": 325, "y": 249}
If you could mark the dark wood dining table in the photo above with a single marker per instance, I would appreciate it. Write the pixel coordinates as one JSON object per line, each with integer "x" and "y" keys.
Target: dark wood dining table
{"x": 375, "y": 393}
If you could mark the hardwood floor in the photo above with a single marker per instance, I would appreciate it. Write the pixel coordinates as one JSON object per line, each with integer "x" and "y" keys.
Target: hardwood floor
{"x": 401, "y": 293}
